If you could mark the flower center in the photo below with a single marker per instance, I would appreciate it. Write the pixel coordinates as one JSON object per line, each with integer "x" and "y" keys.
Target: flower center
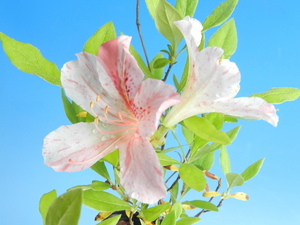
{"x": 124, "y": 121}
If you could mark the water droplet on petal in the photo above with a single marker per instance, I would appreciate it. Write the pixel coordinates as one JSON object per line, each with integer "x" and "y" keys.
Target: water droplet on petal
{"x": 104, "y": 138}
{"x": 94, "y": 131}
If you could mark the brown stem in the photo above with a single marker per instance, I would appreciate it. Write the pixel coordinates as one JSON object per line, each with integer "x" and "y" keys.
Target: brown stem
{"x": 138, "y": 25}
{"x": 220, "y": 203}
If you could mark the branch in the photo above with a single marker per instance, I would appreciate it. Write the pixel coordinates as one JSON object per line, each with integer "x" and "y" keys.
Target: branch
{"x": 138, "y": 25}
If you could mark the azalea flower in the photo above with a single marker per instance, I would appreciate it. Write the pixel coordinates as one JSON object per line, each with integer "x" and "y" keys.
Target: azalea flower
{"x": 213, "y": 83}
{"x": 127, "y": 109}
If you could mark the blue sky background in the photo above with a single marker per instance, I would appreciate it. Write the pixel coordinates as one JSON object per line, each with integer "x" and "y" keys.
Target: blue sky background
{"x": 267, "y": 56}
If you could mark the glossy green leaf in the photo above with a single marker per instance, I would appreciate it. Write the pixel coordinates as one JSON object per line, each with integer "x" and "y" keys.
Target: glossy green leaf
{"x": 169, "y": 219}
{"x": 203, "y": 205}
{"x": 187, "y": 221}
{"x": 224, "y": 160}
{"x": 165, "y": 16}
{"x": 166, "y": 160}
{"x": 45, "y": 202}
{"x": 69, "y": 110}
{"x": 29, "y": 59}
{"x": 186, "y": 7}
{"x": 103, "y": 201}
{"x": 153, "y": 213}
{"x": 279, "y": 95}
{"x": 220, "y": 14}
{"x": 152, "y": 5}
{"x": 111, "y": 221}
{"x": 100, "y": 168}
{"x": 103, "y": 34}
{"x": 204, "y": 129}
{"x": 225, "y": 38}
{"x": 234, "y": 180}
{"x": 197, "y": 181}
{"x": 141, "y": 63}
{"x": 65, "y": 209}
{"x": 252, "y": 170}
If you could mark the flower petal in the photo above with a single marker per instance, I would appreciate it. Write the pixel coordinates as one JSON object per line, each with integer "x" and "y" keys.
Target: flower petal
{"x": 152, "y": 99}
{"x": 141, "y": 173}
{"x": 76, "y": 147}
{"x": 122, "y": 75}
{"x": 191, "y": 30}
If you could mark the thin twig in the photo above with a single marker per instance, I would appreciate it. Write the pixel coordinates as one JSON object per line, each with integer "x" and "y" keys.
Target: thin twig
{"x": 138, "y": 25}
{"x": 175, "y": 182}
{"x": 167, "y": 72}
{"x": 220, "y": 203}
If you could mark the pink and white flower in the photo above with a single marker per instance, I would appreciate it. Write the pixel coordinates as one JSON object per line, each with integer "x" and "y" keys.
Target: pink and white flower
{"x": 213, "y": 83}
{"x": 127, "y": 109}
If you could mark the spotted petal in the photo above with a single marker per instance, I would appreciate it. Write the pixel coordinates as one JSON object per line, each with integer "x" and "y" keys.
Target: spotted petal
{"x": 77, "y": 147}
{"x": 152, "y": 99}
{"x": 141, "y": 173}
{"x": 119, "y": 71}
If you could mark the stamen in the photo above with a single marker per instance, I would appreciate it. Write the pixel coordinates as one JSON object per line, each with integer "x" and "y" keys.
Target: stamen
{"x": 219, "y": 61}
{"x": 98, "y": 98}
{"x": 111, "y": 132}
{"x": 106, "y": 109}
{"x": 92, "y": 104}
{"x": 96, "y": 156}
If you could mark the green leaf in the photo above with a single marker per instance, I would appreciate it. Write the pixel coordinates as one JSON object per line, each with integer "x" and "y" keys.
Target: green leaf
{"x": 141, "y": 63}
{"x": 29, "y": 59}
{"x": 279, "y": 95}
{"x": 217, "y": 119}
{"x": 153, "y": 213}
{"x": 166, "y": 160}
{"x": 204, "y": 129}
{"x": 100, "y": 168}
{"x": 111, "y": 221}
{"x": 69, "y": 110}
{"x": 165, "y": 16}
{"x": 186, "y": 7}
{"x": 96, "y": 186}
{"x": 103, "y": 34}
{"x": 252, "y": 170}
{"x": 45, "y": 202}
{"x": 187, "y": 221}
{"x": 169, "y": 219}
{"x": 112, "y": 158}
{"x": 161, "y": 63}
{"x": 184, "y": 76}
{"x": 65, "y": 209}
{"x": 203, "y": 205}
{"x": 103, "y": 201}
{"x": 174, "y": 192}
{"x": 197, "y": 181}
{"x": 220, "y": 14}
{"x": 224, "y": 160}
{"x": 205, "y": 162}
{"x": 152, "y": 5}
{"x": 188, "y": 135}
{"x": 177, "y": 208}
{"x": 234, "y": 180}
{"x": 157, "y": 73}
{"x": 225, "y": 38}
